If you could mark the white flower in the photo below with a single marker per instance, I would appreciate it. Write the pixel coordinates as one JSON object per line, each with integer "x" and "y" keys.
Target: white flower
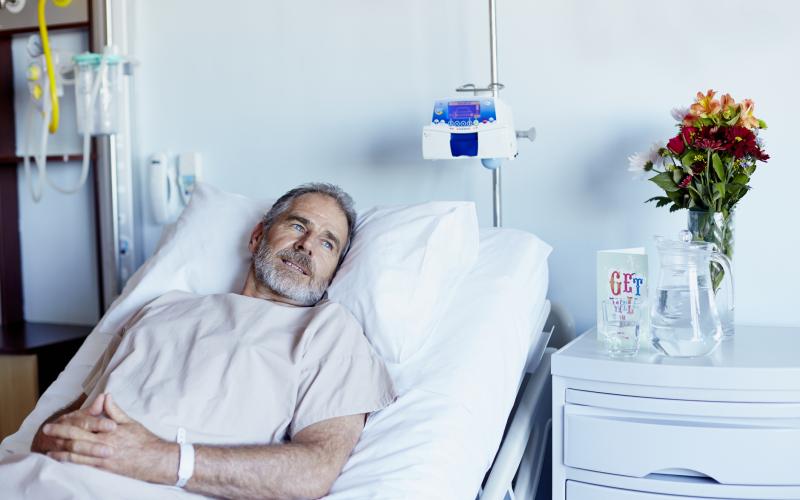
{"x": 640, "y": 164}
{"x": 636, "y": 162}
{"x": 653, "y": 156}
{"x": 679, "y": 113}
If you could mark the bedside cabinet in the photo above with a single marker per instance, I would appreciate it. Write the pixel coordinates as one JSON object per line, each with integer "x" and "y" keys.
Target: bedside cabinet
{"x": 31, "y": 357}
{"x": 723, "y": 426}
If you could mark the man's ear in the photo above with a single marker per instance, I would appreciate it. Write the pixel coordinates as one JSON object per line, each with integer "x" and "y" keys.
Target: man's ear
{"x": 255, "y": 237}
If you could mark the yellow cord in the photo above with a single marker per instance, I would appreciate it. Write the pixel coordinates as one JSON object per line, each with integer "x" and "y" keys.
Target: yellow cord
{"x": 48, "y": 57}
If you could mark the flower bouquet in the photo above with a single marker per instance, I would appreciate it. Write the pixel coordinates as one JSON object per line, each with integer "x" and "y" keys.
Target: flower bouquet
{"x": 706, "y": 168}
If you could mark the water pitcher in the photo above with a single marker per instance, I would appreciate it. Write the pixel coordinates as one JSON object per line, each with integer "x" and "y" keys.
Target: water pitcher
{"x": 684, "y": 319}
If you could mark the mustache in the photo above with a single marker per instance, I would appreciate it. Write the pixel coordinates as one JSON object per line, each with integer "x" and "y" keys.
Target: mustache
{"x": 297, "y": 258}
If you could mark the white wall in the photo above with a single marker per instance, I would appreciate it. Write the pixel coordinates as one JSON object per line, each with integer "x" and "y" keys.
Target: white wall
{"x": 277, "y": 93}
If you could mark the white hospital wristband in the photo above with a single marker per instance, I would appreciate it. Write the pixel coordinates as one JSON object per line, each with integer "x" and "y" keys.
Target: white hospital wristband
{"x": 185, "y": 465}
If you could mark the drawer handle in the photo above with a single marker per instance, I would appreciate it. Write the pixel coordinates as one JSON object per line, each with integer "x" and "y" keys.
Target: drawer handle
{"x": 680, "y": 472}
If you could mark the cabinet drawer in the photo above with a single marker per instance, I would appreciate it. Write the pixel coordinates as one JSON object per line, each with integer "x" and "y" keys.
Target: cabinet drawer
{"x": 583, "y": 491}
{"x": 732, "y": 443}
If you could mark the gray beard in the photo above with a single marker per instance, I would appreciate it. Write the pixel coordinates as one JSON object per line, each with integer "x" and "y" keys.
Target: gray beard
{"x": 285, "y": 282}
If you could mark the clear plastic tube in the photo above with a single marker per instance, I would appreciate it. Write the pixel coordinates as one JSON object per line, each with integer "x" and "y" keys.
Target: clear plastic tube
{"x": 87, "y": 134}
{"x": 35, "y": 188}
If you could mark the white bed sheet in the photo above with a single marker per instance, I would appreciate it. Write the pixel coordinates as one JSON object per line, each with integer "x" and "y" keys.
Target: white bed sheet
{"x": 440, "y": 437}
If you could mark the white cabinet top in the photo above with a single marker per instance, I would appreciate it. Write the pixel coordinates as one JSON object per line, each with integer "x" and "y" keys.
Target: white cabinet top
{"x": 757, "y": 358}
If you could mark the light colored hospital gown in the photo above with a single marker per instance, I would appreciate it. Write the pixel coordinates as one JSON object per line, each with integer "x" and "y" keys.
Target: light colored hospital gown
{"x": 231, "y": 369}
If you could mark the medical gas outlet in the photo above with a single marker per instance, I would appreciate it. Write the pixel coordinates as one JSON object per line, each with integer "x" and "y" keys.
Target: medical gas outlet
{"x": 482, "y": 127}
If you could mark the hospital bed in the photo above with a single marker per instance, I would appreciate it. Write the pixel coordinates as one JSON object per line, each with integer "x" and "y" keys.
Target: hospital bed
{"x": 485, "y": 360}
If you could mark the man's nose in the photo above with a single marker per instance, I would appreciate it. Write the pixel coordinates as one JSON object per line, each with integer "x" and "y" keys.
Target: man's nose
{"x": 302, "y": 244}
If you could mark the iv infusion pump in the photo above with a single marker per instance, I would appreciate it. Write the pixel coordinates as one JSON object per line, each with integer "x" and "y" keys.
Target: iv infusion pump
{"x": 481, "y": 127}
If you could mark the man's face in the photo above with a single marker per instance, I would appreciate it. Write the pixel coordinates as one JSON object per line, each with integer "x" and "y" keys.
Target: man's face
{"x": 296, "y": 259}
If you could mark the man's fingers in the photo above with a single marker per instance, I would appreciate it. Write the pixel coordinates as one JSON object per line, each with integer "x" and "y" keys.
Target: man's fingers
{"x": 66, "y": 456}
{"x": 66, "y": 431}
{"x": 115, "y": 412}
{"x": 96, "y": 408}
{"x": 90, "y": 449}
{"x": 91, "y": 424}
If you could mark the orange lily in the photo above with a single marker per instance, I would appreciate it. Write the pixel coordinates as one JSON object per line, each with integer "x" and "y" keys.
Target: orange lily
{"x": 726, "y": 101}
{"x": 689, "y": 120}
{"x": 729, "y": 107}
{"x": 705, "y": 105}
{"x": 746, "y": 118}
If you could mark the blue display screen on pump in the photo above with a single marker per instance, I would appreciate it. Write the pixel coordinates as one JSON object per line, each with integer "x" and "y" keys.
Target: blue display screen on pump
{"x": 459, "y": 114}
{"x": 464, "y": 110}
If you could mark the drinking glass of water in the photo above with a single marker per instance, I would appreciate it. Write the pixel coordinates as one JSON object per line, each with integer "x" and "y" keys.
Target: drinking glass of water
{"x": 620, "y": 332}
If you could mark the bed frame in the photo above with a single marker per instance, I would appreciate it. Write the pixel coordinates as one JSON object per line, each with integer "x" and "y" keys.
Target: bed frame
{"x": 519, "y": 462}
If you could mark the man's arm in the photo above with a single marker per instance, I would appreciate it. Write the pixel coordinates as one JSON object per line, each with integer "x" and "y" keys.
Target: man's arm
{"x": 303, "y": 468}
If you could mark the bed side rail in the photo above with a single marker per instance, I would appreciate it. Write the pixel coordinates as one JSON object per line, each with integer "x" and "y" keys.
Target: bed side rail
{"x": 522, "y": 452}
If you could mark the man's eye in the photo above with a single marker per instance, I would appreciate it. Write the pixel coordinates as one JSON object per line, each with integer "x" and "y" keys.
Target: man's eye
{"x": 298, "y": 227}
{"x": 328, "y": 245}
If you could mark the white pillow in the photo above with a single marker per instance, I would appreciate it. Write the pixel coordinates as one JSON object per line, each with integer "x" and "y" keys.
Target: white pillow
{"x": 403, "y": 266}
{"x": 204, "y": 251}
{"x": 396, "y": 279}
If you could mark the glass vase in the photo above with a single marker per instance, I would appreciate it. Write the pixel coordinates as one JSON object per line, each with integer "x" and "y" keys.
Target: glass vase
{"x": 716, "y": 228}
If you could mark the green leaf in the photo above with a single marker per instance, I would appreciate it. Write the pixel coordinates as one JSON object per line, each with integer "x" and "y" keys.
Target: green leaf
{"x": 674, "y": 208}
{"x": 665, "y": 182}
{"x": 733, "y": 189}
{"x": 718, "y": 167}
{"x": 677, "y": 175}
{"x": 688, "y": 158}
{"x": 750, "y": 170}
{"x": 733, "y": 120}
{"x": 762, "y": 124}
{"x": 741, "y": 179}
{"x": 661, "y": 200}
{"x": 719, "y": 188}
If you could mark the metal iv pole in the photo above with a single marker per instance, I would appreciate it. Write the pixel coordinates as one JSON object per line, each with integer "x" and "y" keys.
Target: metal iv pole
{"x": 497, "y": 191}
{"x": 113, "y": 173}
{"x": 494, "y": 87}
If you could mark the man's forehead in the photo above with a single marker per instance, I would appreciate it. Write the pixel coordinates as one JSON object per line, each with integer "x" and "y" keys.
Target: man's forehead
{"x": 321, "y": 210}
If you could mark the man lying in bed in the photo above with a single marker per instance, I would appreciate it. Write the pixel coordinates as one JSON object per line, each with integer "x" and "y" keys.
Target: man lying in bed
{"x": 271, "y": 385}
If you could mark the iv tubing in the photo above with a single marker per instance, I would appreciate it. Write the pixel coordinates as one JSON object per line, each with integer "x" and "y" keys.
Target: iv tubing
{"x": 35, "y": 187}
{"x": 48, "y": 57}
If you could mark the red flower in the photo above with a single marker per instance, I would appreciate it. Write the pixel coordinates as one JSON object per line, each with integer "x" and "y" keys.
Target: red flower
{"x": 685, "y": 181}
{"x": 698, "y": 167}
{"x": 741, "y": 142}
{"x": 688, "y": 134}
{"x": 712, "y": 138}
{"x": 676, "y": 145}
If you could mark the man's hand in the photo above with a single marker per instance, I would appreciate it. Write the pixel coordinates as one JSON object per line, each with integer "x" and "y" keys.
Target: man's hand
{"x": 130, "y": 449}
{"x": 84, "y": 424}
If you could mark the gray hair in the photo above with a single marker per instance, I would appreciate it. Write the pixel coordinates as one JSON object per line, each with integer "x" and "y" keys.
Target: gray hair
{"x": 341, "y": 198}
